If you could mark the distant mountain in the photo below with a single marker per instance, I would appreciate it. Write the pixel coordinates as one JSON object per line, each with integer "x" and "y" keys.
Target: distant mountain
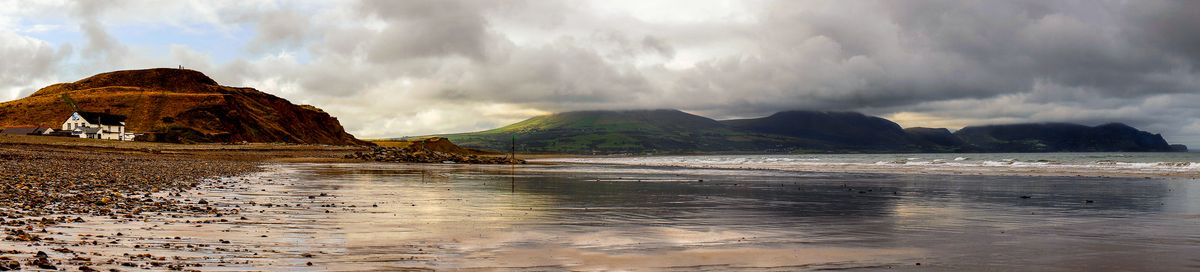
{"x": 177, "y": 105}
{"x": 836, "y": 129}
{"x": 1062, "y": 137}
{"x": 673, "y": 131}
{"x": 935, "y": 140}
{"x": 608, "y": 132}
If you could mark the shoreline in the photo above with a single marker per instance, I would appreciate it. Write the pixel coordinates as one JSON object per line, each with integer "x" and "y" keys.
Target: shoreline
{"x": 848, "y": 168}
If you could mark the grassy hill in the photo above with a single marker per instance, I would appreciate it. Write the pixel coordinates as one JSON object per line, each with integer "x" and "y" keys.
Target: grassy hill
{"x": 177, "y": 105}
{"x": 608, "y": 132}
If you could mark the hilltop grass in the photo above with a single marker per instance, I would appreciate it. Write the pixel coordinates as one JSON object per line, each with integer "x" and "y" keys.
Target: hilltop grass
{"x": 613, "y": 132}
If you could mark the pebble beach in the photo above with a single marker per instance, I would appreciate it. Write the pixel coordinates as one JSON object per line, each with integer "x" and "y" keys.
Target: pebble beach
{"x": 41, "y": 187}
{"x": 49, "y": 186}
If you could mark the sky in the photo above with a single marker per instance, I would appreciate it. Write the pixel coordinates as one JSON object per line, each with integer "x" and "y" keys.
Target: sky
{"x": 413, "y": 67}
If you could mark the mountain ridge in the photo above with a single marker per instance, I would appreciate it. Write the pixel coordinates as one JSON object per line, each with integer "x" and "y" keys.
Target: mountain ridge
{"x": 792, "y": 132}
{"x": 612, "y": 132}
{"x": 839, "y": 129}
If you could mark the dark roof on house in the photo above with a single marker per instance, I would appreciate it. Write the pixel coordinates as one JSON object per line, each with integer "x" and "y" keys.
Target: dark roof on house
{"x": 24, "y": 130}
{"x": 102, "y": 118}
{"x": 19, "y": 130}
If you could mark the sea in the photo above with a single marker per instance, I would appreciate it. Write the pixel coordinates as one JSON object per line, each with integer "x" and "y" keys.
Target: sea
{"x": 1184, "y": 163}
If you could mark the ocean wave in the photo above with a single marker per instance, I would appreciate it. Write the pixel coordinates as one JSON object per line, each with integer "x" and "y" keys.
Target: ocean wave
{"x": 793, "y": 163}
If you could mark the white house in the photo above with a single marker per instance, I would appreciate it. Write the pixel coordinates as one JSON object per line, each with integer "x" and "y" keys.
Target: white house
{"x": 96, "y": 125}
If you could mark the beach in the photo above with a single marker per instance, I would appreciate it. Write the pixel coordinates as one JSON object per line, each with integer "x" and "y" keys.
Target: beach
{"x": 296, "y": 208}
{"x": 52, "y": 181}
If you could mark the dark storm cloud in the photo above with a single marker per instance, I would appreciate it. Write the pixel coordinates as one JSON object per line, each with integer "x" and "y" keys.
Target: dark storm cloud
{"x": 986, "y": 61}
{"x": 896, "y": 55}
{"x": 1169, "y": 25}
{"x": 893, "y": 53}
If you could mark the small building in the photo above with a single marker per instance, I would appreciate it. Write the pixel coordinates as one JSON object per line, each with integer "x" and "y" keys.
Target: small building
{"x": 96, "y": 125}
{"x": 131, "y": 136}
{"x": 27, "y": 130}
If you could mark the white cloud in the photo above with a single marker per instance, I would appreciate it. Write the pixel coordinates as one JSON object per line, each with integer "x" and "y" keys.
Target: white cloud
{"x": 28, "y": 63}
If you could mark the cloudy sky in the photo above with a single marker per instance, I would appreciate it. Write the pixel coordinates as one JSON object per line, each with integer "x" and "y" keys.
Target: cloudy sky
{"x": 393, "y": 68}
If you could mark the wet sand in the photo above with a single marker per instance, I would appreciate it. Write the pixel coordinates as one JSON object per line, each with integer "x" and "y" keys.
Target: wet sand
{"x": 388, "y": 217}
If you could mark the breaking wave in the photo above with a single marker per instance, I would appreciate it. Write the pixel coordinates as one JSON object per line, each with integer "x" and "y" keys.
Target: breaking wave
{"x": 1131, "y": 162}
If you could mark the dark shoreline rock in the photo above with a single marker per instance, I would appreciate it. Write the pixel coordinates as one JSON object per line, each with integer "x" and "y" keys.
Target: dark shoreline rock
{"x": 429, "y": 150}
{"x": 1179, "y": 148}
{"x": 422, "y": 155}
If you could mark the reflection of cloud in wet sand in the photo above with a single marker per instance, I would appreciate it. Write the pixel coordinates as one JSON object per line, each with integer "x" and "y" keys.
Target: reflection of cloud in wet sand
{"x": 476, "y": 228}
{"x": 654, "y": 247}
{"x": 635, "y": 237}
{"x": 578, "y": 259}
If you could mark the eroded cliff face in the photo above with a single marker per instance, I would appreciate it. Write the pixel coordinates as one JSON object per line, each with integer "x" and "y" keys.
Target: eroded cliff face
{"x": 176, "y": 105}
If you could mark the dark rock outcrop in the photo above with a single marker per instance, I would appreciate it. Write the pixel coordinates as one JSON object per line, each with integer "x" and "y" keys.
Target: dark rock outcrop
{"x": 1179, "y": 148}
{"x": 432, "y": 150}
